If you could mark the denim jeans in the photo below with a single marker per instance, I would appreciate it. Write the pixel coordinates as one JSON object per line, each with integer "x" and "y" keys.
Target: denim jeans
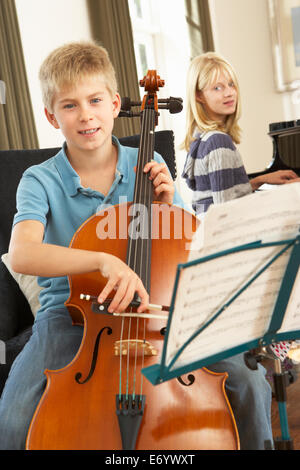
{"x": 250, "y": 397}
{"x": 54, "y": 343}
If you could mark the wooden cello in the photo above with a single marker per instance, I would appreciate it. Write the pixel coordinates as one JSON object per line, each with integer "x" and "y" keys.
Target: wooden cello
{"x": 101, "y": 400}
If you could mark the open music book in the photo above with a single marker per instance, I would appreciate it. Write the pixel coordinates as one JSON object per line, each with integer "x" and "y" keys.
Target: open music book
{"x": 240, "y": 288}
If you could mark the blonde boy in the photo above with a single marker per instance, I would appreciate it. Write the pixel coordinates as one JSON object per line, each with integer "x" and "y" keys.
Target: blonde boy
{"x": 92, "y": 168}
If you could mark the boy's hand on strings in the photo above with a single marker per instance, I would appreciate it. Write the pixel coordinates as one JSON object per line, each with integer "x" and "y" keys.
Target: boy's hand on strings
{"x": 124, "y": 281}
{"x": 163, "y": 184}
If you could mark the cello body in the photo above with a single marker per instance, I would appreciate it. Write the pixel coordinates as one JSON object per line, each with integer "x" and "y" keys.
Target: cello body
{"x": 101, "y": 399}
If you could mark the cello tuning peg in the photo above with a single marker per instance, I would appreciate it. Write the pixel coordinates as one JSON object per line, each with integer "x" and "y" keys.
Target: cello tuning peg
{"x": 171, "y": 98}
{"x": 126, "y": 103}
{"x": 128, "y": 114}
{"x": 174, "y": 105}
{"x": 161, "y": 82}
{"x": 177, "y": 98}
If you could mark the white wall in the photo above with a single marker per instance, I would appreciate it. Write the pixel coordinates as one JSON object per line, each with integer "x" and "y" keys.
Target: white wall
{"x": 45, "y": 25}
{"x": 242, "y": 35}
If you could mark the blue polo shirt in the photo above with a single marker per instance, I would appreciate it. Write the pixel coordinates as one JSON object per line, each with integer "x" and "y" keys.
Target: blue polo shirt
{"x": 51, "y": 192}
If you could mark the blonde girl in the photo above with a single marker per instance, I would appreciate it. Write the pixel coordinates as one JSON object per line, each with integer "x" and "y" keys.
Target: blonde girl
{"x": 214, "y": 169}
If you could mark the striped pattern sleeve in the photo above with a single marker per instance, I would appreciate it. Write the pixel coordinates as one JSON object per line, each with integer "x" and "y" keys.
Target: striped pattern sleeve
{"x": 214, "y": 171}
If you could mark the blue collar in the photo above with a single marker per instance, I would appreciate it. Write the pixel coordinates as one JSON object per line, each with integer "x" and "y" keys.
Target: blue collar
{"x": 70, "y": 178}
{"x": 123, "y": 161}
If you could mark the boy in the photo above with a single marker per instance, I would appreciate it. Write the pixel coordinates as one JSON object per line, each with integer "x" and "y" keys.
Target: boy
{"x": 53, "y": 200}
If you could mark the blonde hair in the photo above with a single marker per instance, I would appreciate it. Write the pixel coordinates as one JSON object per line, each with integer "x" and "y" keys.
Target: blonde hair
{"x": 68, "y": 64}
{"x": 203, "y": 71}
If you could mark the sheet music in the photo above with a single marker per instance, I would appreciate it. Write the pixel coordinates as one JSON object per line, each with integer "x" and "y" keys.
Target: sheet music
{"x": 204, "y": 288}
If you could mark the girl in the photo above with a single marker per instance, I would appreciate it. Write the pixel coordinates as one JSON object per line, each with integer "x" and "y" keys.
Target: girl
{"x": 215, "y": 172}
{"x": 214, "y": 169}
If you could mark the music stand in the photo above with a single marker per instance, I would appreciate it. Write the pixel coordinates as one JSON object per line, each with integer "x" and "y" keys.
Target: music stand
{"x": 239, "y": 298}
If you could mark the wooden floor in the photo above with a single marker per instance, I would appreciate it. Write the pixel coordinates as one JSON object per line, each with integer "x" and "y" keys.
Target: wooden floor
{"x": 293, "y": 412}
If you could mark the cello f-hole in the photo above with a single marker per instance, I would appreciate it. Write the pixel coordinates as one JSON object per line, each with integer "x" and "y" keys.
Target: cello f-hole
{"x": 163, "y": 330}
{"x": 78, "y": 375}
{"x": 191, "y": 379}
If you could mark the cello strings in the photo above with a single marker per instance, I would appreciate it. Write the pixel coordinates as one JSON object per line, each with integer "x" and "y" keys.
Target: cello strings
{"x": 140, "y": 245}
{"x": 128, "y": 357}
{"x": 142, "y": 197}
{"x": 143, "y": 359}
{"x": 141, "y": 252}
{"x": 135, "y": 359}
{"x": 137, "y": 198}
{"x": 130, "y": 245}
{"x": 144, "y": 257}
{"x": 121, "y": 355}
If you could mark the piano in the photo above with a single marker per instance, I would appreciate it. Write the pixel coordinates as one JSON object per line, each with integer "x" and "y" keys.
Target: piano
{"x": 286, "y": 147}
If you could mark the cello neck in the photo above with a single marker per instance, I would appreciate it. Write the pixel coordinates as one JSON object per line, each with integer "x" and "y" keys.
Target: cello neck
{"x": 139, "y": 242}
{"x": 143, "y": 186}
{"x": 139, "y": 230}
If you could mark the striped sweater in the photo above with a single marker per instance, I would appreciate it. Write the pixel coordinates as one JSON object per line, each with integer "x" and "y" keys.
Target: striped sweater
{"x": 214, "y": 171}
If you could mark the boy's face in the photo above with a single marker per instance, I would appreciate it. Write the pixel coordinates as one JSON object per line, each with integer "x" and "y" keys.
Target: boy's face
{"x": 85, "y": 114}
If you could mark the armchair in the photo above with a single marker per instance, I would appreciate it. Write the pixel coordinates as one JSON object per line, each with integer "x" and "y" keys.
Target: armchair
{"x": 16, "y": 291}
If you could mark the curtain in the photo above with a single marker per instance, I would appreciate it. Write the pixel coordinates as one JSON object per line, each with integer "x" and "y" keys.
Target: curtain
{"x": 111, "y": 27}
{"x": 17, "y": 127}
{"x": 199, "y": 24}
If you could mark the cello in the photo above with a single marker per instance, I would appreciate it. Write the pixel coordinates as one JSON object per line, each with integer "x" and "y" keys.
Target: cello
{"x": 101, "y": 399}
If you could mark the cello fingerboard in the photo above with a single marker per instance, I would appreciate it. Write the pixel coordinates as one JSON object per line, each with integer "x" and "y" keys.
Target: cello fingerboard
{"x": 139, "y": 242}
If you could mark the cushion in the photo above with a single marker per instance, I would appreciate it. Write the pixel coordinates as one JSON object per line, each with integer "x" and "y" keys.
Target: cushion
{"x": 28, "y": 285}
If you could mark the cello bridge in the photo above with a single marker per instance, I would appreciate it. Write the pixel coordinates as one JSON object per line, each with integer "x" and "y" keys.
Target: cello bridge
{"x": 124, "y": 346}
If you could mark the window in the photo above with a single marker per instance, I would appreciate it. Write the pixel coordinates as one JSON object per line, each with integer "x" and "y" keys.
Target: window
{"x": 161, "y": 42}
{"x": 144, "y": 31}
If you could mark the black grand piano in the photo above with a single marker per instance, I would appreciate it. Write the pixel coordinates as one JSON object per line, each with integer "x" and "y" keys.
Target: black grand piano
{"x": 286, "y": 147}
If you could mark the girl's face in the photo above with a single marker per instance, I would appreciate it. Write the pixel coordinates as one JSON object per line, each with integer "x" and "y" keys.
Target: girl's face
{"x": 219, "y": 99}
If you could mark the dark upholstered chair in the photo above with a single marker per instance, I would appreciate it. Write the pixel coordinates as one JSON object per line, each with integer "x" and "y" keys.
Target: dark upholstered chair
{"x": 16, "y": 317}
